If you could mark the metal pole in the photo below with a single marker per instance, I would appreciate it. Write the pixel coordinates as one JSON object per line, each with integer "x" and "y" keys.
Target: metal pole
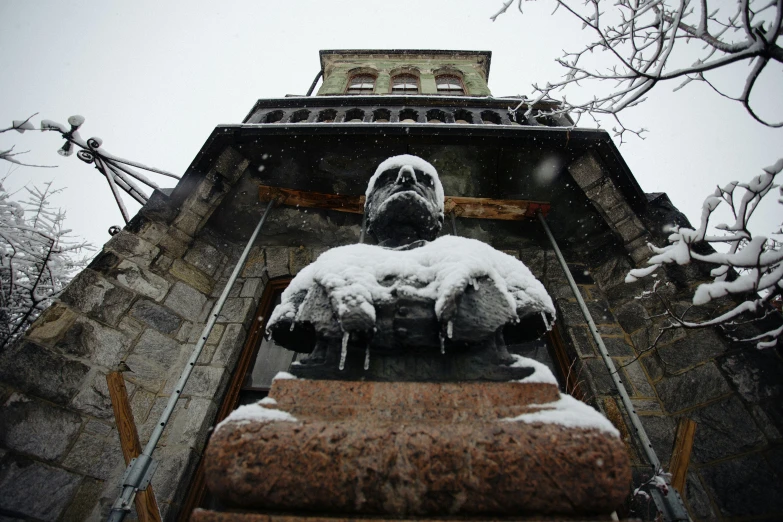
{"x": 453, "y": 223}
{"x": 312, "y": 85}
{"x": 140, "y": 470}
{"x": 678, "y": 511}
{"x": 364, "y": 227}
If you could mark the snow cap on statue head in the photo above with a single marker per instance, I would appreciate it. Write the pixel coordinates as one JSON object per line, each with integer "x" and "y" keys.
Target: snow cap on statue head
{"x": 415, "y": 162}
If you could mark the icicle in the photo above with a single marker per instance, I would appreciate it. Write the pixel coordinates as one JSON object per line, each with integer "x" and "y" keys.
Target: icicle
{"x": 367, "y": 358}
{"x": 450, "y": 329}
{"x": 344, "y": 351}
{"x": 442, "y": 343}
{"x": 293, "y": 323}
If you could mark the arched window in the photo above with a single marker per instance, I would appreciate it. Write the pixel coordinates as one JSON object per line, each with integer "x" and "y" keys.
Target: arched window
{"x": 449, "y": 85}
{"x": 405, "y": 84}
{"x": 361, "y": 84}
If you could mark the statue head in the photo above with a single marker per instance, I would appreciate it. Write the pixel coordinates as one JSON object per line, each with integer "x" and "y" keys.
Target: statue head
{"x": 404, "y": 201}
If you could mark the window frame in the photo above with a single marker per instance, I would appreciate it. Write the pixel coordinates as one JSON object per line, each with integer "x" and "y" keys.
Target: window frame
{"x": 404, "y": 92}
{"x": 361, "y": 92}
{"x": 449, "y": 92}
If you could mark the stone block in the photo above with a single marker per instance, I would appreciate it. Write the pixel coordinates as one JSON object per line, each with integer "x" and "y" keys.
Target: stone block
{"x": 192, "y": 276}
{"x": 51, "y": 325}
{"x": 598, "y": 375}
{"x": 755, "y": 374}
{"x": 176, "y": 463}
{"x": 661, "y": 430}
{"x": 724, "y": 428}
{"x": 162, "y": 264}
{"x": 631, "y": 315}
{"x": 600, "y": 312}
{"x": 205, "y": 381}
{"x": 605, "y": 196}
{"x": 697, "y": 499}
{"x": 188, "y": 222}
{"x": 696, "y": 347}
{"x": 638, "y": 379}
{"x": 145, "y": 428}
{"x": 37, "y": 428}
{"x": 152, "y": 231}
{"x": 192, "y": 427}
{"x": 744, "y": 487}
{"x": 156, "y": 316}
{"x": 255, "y": 264}
{"x": 205, "y": 257}
{"x": 583, "y": 341}
{"x": 640, "y": 255}
{"x": 618, "y": 347}
{"x": 175, "y": 243}
{"x": 231, "y": 164}
{"x": 570, "y": 314}
{"x": 765, "y": 422}
{"x": 253, "y": 288}
{"x": 98, "y": 298}
{"x": 151, "y": 359}
{"x": 237, "y": 310}
{"x": 186, "y": 301}
{"x": 41, "y": 372}
{"x": 277, "y": 261}
{"x": 131, "y": 328}
{"x": 646, "y": 406}
{"x": 94, "y": 398}
{"x": 298, "y": 258}
{"x": 586, "y": 170}
{"x": 230, "y": 346}
{"x": 91, "y": 340}
{"x": 35, "y": 490}
{"x": 630, "y": 228}
{"x": 691, "y": 388}
{"x": 612, "y": 273}
{"x": 84, "y": 502}
{"x": 141, "y": 404}
{"x": 133, "y": 248}
{"x": 644, "y": 338}
{"x": 96, "y": 453}
{"x": 141, "y": 281}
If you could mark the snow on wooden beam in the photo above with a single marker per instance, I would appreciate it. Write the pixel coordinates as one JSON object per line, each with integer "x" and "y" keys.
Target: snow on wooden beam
{"x": 474, "y": 208}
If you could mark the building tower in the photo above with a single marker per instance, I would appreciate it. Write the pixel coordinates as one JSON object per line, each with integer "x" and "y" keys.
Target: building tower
{"x": 148, "y": 294}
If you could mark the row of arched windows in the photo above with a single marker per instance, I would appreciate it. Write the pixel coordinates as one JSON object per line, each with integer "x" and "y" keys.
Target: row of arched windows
{"x": 404, "y": 83}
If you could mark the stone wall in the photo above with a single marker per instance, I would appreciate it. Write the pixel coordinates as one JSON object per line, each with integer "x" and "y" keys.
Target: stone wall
{"x": 731, "y": 390}
{"x": 144, "y": 299}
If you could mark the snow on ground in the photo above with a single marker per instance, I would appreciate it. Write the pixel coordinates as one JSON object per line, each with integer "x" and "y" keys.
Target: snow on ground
{"x": 567, "y": 412}
{"x": 441, "y": 270}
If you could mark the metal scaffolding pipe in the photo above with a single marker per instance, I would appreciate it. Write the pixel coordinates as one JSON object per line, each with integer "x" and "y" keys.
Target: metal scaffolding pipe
{"x": 140, "y": 470}
{"x": 676, "y": 509}
{"x": 315, "y": 82}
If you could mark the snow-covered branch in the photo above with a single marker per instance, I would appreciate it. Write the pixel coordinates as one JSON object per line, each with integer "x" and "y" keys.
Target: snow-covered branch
{"x": 752, "y": 267}
{"x": 37, "y": 259}
{"x": 654, "y": 41}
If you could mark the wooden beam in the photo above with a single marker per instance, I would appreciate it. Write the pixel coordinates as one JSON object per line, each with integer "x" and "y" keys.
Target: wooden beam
{"x": 146, "y": 505}
{"x": 681, "y": 455}
{"x": 474, "y": 208}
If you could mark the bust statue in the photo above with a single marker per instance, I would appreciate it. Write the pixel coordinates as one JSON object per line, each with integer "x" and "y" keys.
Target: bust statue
{"x": 412, "y": 307}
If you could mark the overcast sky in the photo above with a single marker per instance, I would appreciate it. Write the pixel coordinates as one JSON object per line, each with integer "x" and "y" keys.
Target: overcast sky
{"x": 154, "y": 78}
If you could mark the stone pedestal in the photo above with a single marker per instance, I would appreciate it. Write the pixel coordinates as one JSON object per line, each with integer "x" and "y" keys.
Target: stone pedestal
{"x": 412, "y": 450}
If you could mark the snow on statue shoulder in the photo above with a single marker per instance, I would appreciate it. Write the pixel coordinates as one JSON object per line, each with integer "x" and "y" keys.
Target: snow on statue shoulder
{"x": 415, "y": 307}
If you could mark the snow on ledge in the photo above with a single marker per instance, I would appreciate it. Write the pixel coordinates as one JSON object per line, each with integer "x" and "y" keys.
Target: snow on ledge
{"x": 567, "y": 412}
{"x": 541, "y": 372}
{"x": 283, "y": 376}
{"x": 255, "y": 413}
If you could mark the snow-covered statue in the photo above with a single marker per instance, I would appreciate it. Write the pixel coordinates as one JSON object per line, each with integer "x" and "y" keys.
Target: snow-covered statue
{"x": 412, "y": 307}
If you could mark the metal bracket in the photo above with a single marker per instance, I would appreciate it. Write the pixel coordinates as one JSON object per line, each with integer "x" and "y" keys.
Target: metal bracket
{"x": 152, "y": 465}
{"x": 670, "y": 505}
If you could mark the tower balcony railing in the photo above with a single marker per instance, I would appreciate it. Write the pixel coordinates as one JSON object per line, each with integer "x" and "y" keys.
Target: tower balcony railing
{"x": 403, "y": 109}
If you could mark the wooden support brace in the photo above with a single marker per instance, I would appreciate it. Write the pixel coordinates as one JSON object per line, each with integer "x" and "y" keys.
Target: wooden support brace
{"x": 681, "y": 455}
{"x": 475, "y": 208}
{"x": 146, "y": 505}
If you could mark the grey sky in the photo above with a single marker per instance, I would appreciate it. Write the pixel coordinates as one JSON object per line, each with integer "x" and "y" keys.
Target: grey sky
{"x": 154, "y": 78}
